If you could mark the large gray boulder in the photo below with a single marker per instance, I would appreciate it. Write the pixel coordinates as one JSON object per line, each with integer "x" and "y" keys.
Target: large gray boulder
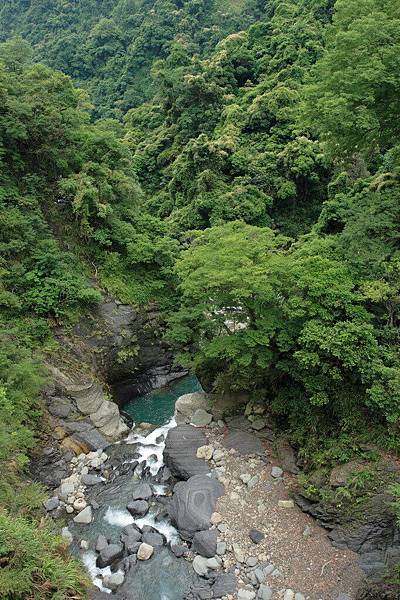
{"x": 180, "y": 450}
{"x": 193, "y": 503}
{"x": 186, "y": 406}
{"x": 109, "y": 555}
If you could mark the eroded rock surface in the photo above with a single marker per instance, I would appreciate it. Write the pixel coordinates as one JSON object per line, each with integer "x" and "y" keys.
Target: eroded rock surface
{"x": 180, "y": 451}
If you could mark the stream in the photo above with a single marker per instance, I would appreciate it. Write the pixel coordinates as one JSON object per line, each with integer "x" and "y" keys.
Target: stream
{"x": 138, "y": 458}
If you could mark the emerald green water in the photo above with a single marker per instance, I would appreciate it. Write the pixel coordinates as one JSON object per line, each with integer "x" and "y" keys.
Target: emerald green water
{"x": 158, "y": 406}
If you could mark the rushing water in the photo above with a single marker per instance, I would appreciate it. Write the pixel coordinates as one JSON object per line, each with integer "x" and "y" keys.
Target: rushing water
{"x": 163, "y": 577}
{"x": 158, "y": 406}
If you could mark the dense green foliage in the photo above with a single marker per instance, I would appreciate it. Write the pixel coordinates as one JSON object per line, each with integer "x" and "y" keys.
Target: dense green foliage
{"x": 235, "y": 162}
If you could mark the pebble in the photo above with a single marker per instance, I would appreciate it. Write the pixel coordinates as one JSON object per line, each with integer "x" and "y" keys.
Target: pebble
{"x": 260, "y": 575}
{"x": 256, "y": 536}
{"x": 276, "y": 472}
{"x": 84, "y": 545}
{"x": 286, "y": 504}
{"x": 51, "y": 503}
{"x": 288, "y": 595}
{"x": 216, "y": 518}
{"x": 245, "y": 477}
{"x": 251, "y": 561}
{"x": 218, "y": 454}
{"x": 69, "y": 509}
{"x": 268, "y": 570}
{"x": 307, "y": 531}
{"x": 221, "y": 548}
{"x": 246, "y": 595}
{"x": 264, "y": 592}
{"x": 238, "y": 552}
{"x": 80, "y": 504}
{"x": 199, "y": 565}
{"x": 205, "y": 452}
{"x": 253, "y": 482}
{"x": 213, "y": 563}
{"x": 223, "y": 528}
{"x": 299, "y": 596}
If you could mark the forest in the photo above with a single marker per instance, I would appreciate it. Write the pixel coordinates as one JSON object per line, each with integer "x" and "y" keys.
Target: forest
{"x": 227, "y": 161}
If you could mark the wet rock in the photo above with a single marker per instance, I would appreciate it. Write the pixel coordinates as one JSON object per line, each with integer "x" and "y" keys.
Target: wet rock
{"x": 205, "y": 543}
{"x": 138, "y": 508}
{"x": 142, "y": 491}
{"x": 113, "y": 581}
{"x": 180, "y": 450}
{"x": 153, "y": 539}
{"x": 256, "y": 536}
{"x": 145, "y": 551}
{"x": 178, "y": 550}
{"x": 101, "y": 543}
{"x": 51, "y": 503}
{"x": 85, "y": 516}
{"x": 109, "y": 555}
{"x": 89, "y": 479}
{"x": 243, "y": 442}
{"x": 201, "y": 418}
{"x": 193, "y": 503}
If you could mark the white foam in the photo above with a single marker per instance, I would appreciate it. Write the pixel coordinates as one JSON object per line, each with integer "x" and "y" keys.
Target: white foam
{"x": 147, "y": 446}
{"x": 118, "y": 517}
{"x": 161, "y": 526}
{"x": 89, "y": 560}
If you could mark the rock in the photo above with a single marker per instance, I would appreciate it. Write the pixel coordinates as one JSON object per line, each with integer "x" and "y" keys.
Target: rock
{"x": 69, "y": 509}
{"x": 258, "y": 424}
{"x": 224, "y": 585}
{"x": 142, "y": 491}
{"x": 130, "y": 537}
{"x": 138, "y": 507}
{"x": 88, "y": 479}
{"x": 259, "y": 574}
{"x": 307, "y": 532}
{"x": 109, "y": 555}
{"x": 79, "y": 504}
{"x": 180, "y": 451}
{"x": 264, "y": 592}
{"x": 66, "y": 489}
{"x": 200, "y": 565}
{"x": 299, "y": 596}
{"x": 113, "y": 581}
{"x": 193, "y": 503}
{"x": 285, "y": 503}
{"x": 84, "y": 545}
{"x": 51, "y": 503}
{"x": 251, "y": 561}
{"x": 343, "y": 597}
{"x": 145, "y": 551}
{"x": 216, "y": 518}
{"x": 256, "y": 536}
{"x": 178, "y": 550}
{"x": 276, "y": 472}
{"x": 205, "y": 452}
{"x": 246, "y": 595}
{"x": 221, "y": 548}
{"x": 243, "y": 442}
{"x": 153, "y": 539}
{"x": 341, "y": 474}
{"x": 245, "y": 477}
{"x": 268, "y": 570}
{"x": 205, "y": 543}
{"x": 201, "y": 418}
{"x": 85, "y": 516}
{"x": 286, "y": 456}
{"x": 186, "y": 406}
{"x": 59, "y": 407}
{"x": 67, "y": 535}
{"x": 218, "y": 455}
{"x": 238, "y": 552}
{"x": 288, "y": 595}
{"x": 253, "y": 482}
{"x": 214, "y": 563}
{"x": 101, "y": 543}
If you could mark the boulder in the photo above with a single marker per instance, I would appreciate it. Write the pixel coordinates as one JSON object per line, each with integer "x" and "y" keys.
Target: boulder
{"x": 101, "y": 543}
{"x": 205, "y": 543}
{"x": 200, "y": 566}
{"x": 142, "y": 491}
{"x": 186, "y": 406}
{"x": 113, "y": 581}
{"x": 193, "y": 503}
{"x": 109, "y": 555}
{"x": 145, "y": 551}
{"x": 243, "y": 442}
{"x": 224, "y": 585}
{"x": 153, "y": 539}
{"x": 201, "y": 418}
{"x": 138, "y": 508}
{"x": 180, "y": 451}
{"x": 85, "y": 516}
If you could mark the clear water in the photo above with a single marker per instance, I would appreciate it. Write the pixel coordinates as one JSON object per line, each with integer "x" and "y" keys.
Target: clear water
{"x": 158, "y": 406}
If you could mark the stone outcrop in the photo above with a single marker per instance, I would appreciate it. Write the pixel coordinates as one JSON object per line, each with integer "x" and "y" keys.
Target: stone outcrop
{"x": 180, "y": 451}
{"x": 186, "y": 406}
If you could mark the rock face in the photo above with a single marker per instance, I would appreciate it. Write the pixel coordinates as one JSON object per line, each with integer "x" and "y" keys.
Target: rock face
{"x": 180, "y": 451}
{"x": 373, "y": 534}
{"x": 193, "y": 503}
{"x": 186, "y": 406}
{"x": 126, "y": 342}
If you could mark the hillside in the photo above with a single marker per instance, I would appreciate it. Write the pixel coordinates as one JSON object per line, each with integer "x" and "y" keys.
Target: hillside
{"x": 233, "y": 168}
